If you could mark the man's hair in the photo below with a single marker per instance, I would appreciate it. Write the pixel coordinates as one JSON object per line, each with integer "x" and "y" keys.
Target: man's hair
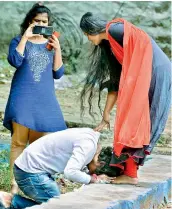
{"x": 105, "y": 156}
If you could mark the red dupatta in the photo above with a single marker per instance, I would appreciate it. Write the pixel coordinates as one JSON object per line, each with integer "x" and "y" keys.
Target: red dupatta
{"x": 132, "y": 125}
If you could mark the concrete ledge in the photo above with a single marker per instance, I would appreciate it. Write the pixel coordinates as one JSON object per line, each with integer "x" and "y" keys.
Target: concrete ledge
{"x": 152, "y": 198}
{"x": 153, "y": 189}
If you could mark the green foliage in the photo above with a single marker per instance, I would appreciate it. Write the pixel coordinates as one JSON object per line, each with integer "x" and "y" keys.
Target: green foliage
{"x": 4, "y": 171}
{"x": 6, "y": 71}
{"x": 164, "y": 141}
{"x": 71, "y": 40}
{"x": 152, "y": 17}
{"x": 4, "y": 155}
{"x": 4, "y": 177}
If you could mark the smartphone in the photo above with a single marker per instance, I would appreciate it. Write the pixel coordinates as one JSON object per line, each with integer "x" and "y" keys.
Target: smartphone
{"x": 48, "y": 46}
{"x": 46, "y": 31}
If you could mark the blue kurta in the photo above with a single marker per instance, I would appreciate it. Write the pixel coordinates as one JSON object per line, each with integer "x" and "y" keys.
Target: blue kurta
{"x": 32, "y": 101}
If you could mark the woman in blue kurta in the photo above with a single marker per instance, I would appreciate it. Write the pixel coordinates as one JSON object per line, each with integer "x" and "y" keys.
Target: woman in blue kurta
{"x": 32, "y": 109}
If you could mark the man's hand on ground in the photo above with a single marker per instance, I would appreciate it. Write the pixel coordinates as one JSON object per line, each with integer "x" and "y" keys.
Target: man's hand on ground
{"x": 101, "y": 179}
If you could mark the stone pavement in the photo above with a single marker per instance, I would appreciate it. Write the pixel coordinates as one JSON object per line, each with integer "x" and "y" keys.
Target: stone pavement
{"x": 153, "y": 189}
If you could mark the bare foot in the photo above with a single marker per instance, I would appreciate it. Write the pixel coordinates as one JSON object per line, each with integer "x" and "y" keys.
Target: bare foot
{"x": 14, "y": 189}
{"x": 123, "y": 179}
{"x": 5, "y": 199}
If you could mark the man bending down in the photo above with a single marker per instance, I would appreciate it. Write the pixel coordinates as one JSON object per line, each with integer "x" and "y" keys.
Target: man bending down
{"x": 68, "y": 151}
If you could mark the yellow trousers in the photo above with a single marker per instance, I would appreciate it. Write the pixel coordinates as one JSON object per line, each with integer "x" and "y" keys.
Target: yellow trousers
{"x": 20, "y": 138}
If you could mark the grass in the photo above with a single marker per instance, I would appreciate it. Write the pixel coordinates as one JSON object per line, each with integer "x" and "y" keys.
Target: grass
{"x": 4, "y": 171}
{"x": 4, "y": 178}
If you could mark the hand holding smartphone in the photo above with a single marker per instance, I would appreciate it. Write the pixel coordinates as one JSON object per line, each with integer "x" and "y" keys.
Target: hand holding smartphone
{"x": 55, "y": 33}
{"x": 47, "y": 32}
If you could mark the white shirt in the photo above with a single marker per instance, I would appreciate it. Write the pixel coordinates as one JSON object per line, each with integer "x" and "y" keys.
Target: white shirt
{"x": 67, "y": 151}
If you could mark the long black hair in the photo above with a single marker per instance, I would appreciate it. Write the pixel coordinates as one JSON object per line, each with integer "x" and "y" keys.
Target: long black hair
{"x": 36, "y": 9}
{"x": 102, "y": 62}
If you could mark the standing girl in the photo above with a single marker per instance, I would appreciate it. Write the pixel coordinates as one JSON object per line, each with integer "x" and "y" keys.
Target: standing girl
{"x": 32, "y": 109}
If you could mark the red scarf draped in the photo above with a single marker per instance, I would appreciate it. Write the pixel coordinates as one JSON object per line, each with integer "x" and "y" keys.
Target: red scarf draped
{"x": 132, "y": 125}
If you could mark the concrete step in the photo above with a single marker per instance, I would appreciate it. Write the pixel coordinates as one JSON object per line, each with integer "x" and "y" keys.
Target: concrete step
{"x": 154, "y": 188}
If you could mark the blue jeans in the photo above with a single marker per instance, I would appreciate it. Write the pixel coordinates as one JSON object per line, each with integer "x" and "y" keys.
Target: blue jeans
{"x": 40, "y": 187}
